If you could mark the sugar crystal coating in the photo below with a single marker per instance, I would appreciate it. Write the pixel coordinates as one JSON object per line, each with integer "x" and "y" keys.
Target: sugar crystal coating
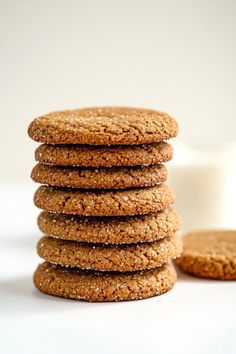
{"x": 129, "y": 229}
{"x": 104, "y": 156}
{"x": 104, "y": 203}
{"x": 106, "y": 286}
{"x": 109, "y": 257}
{"x": 103, "y": 178}
{"x": 103, "y": 126}
{"x": 209, "y": 254}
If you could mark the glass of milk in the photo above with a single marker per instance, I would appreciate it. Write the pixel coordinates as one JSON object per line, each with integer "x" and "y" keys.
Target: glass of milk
{"x": 204, "y": 183}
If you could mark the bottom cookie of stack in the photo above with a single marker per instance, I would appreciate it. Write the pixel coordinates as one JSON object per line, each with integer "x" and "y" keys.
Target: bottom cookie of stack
{"x": 74, "y": 283}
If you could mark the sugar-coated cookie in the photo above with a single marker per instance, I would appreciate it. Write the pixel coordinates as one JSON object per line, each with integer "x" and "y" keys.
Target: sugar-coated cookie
{"x": 103, "y": 286}
{"x": 101, "y": 257}
{"x": 106, "y": 177}
{"x": 209, "y": 254}
{"x": 104, "y": 203}
{"x": 103, "y": 126}
{"x": 126, "y": 229}
{"x": 104, "y": 156}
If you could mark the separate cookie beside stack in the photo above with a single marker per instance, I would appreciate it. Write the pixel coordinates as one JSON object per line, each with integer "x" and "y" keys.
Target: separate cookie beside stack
{"x": 209, "y": 254}
{"x": 107, "y": 215}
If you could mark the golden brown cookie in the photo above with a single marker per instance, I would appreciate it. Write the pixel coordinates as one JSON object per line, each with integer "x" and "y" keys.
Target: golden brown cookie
{"x": 104, "y": 156}
{"x": 103, "y": 286}
{"x": 209, "y": 254}
{"x": 106, "y": 178}
{"x": 128, "y": 229}
{"x": 101, "y": 257}
{"x": 103, "y": 126}
{"x": 104, "y": 203}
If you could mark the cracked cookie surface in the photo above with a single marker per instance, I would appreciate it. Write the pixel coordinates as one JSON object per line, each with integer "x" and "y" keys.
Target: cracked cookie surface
{"x": 101, "y": 257}
{"x": 209, "y": 254}
{"x": 106, "y": 286}
{"x": 104, "y": 156}
{"x": 134, "y": 201}
{"x": 103, "y": 126}
{"x": 99, "y": 178}
{"x": 128, "y": 229}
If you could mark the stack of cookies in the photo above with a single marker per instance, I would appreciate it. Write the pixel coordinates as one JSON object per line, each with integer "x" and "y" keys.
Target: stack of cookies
{"x": 107, "y": 215}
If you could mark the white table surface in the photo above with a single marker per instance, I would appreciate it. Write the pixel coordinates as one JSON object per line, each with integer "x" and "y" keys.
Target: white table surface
{"x": 197, "y": 316}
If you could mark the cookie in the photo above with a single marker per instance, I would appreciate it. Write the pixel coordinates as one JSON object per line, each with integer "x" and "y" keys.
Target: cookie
{"x": 101, "y": 257}
{"x": 128, "y": 229}
{"x": 106, "y": 178}
{"x": 104, "y": 203}
{"x": 209, "y": 254}
{"x": 103, "y": 126}
{"x": 103, "y": 286}
{"x": 104, "y": 156}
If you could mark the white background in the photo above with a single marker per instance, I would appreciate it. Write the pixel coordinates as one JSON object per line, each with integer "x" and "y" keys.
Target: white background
{"x": 177, "y": 56}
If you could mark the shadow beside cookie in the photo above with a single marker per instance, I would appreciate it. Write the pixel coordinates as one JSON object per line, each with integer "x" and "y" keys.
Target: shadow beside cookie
{"x": 24, "y": 298}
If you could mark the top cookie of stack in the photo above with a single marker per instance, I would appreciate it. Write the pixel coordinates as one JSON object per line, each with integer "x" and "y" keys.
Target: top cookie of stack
{"x": 104, "y": 184}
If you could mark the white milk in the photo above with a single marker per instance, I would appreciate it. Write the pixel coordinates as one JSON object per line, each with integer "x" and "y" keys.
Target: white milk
{"x": 204, "y": 183}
